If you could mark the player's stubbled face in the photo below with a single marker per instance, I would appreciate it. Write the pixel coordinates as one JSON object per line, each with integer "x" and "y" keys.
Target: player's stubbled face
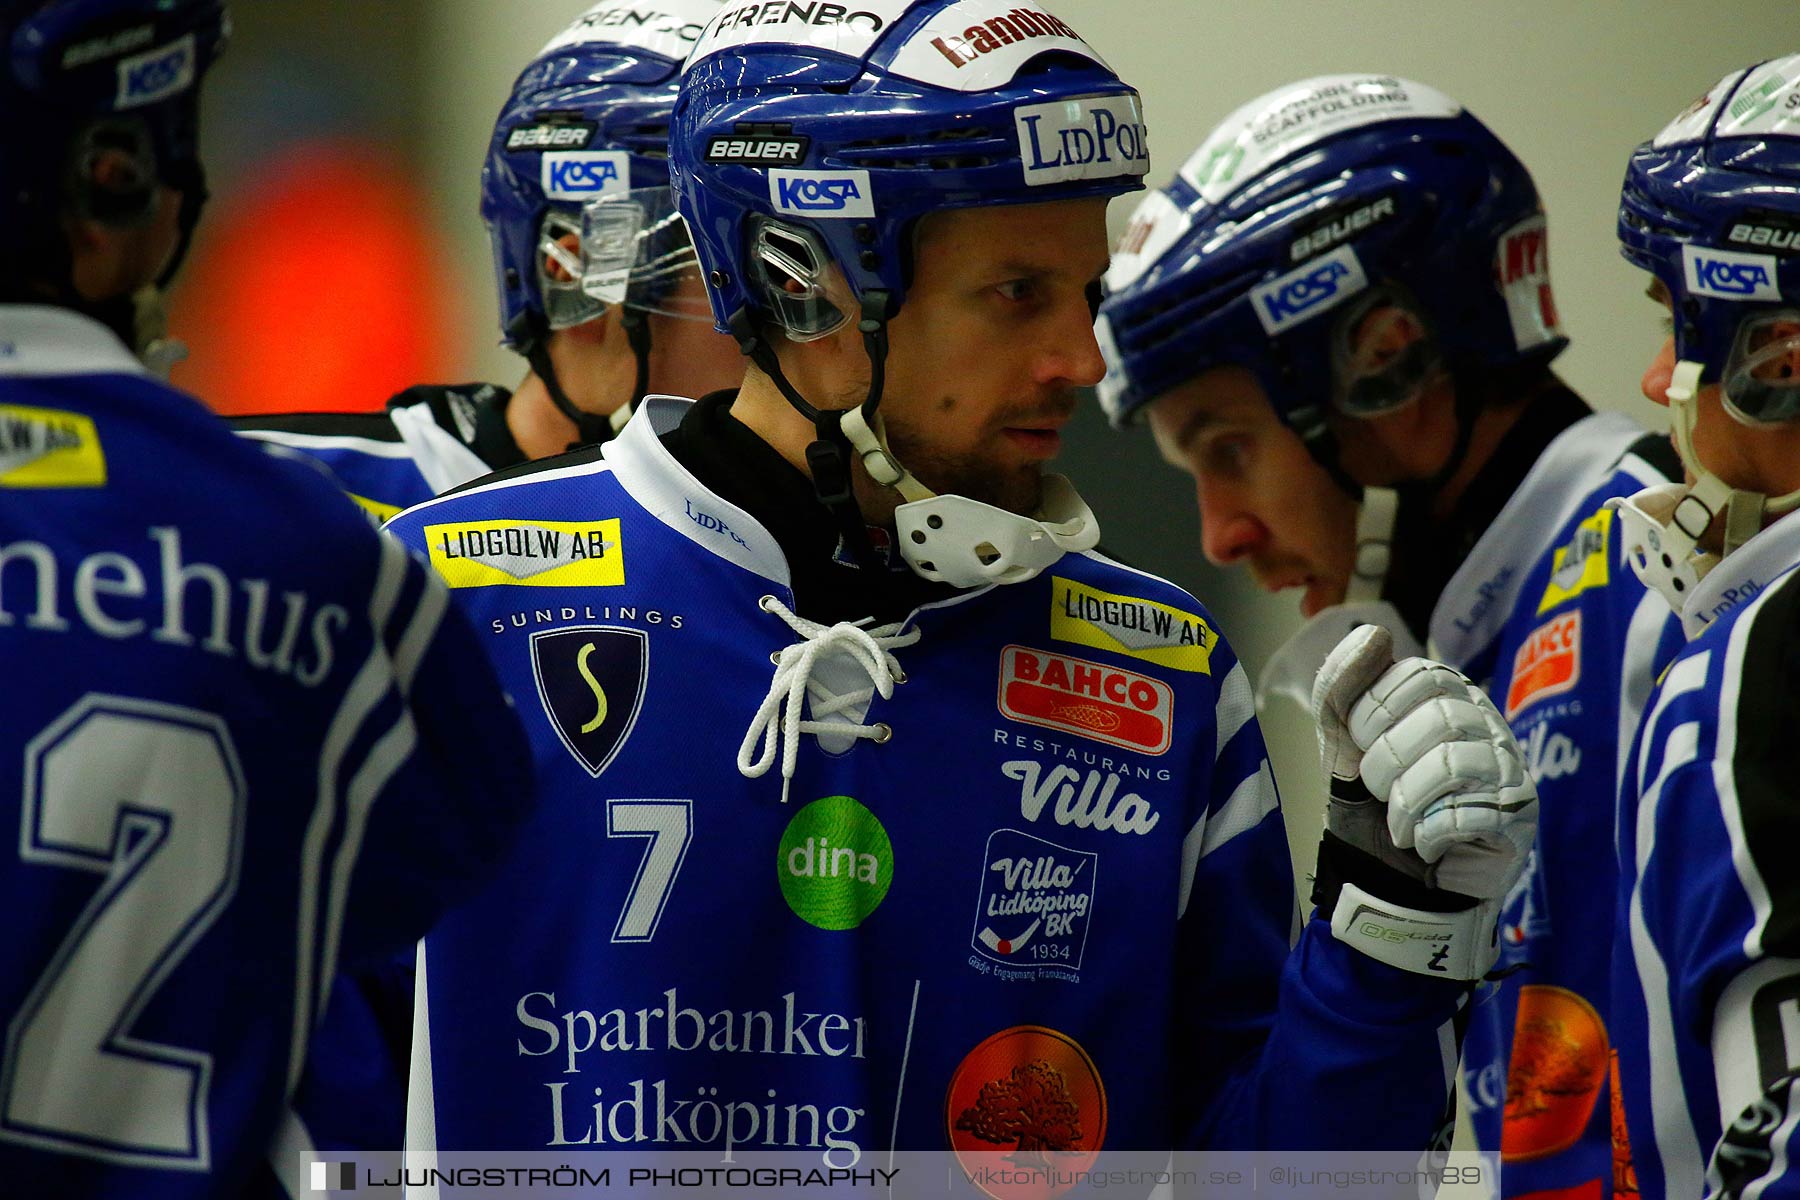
{"x": 1265, "y": 504}
{"x": 994, "y": 339}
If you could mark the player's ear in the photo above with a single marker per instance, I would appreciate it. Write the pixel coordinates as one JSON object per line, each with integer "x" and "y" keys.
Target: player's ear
{"x": 1383, "y": 334}
{"x": 554, "y": 268}
{"x": 1786, "y": 367}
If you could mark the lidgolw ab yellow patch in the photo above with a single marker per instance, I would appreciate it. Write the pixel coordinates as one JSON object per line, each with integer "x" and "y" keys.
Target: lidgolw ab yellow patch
{"x": 1146, "y": 629}
{"x": 511, "y": 553}
{"x": 49, "y": 447}
{"x": 1580, "y": 565}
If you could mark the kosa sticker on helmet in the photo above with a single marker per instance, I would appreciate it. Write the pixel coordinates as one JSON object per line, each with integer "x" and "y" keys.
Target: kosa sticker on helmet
{"x": 585, "y": 174}
{"x": 981, "y": 44}
{"x": 822, "y": 193}
{"x": 1303, "y": 294}
{"x": 665, "y": 28}
{"x": 1730, "y": 275}
{"x": 157, "y": 74}
{"x": 1092, "y": 137}
{"x": 849, "y": 28}
{"x": 1287, "y": 120}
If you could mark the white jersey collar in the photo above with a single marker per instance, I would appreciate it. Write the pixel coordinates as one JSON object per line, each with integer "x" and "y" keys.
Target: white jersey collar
{"x": 1480, "y": 597}
{"x": 1743, "y": 574}
{"x": 442, "y": 460}
{"x": 653, "y": 478}
{"x": 38, "y": 339}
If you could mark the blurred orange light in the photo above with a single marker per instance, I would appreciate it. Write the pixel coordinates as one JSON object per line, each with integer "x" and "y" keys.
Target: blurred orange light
{"x": 315, "y": 288}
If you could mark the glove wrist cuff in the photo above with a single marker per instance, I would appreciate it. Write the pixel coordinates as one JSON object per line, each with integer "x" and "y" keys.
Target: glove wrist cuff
{"x": 1444, "y": 945}
{"x": 1396, "y": 919}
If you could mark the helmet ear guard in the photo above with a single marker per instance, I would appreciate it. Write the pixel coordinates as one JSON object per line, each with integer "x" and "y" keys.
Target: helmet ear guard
{"x": 789, "y": 268}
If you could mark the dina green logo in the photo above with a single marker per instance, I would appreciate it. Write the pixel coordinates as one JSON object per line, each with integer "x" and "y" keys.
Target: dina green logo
{"x": 835, "y": 863}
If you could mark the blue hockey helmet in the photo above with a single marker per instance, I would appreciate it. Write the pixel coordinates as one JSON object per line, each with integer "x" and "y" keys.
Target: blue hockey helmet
{"x": 808, "y": 135}
{"x": 1711, "y": 208}
{"x": 1329, "y": 196}
{"x": 581, "y": 147}
{"x": 81, "y": 77}
{"x": 813, "y": 136}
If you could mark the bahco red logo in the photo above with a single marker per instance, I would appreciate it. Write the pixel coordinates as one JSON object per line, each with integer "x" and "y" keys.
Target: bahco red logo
{"x": 1548, "y": 664}
{"x": 1104, "y": 703}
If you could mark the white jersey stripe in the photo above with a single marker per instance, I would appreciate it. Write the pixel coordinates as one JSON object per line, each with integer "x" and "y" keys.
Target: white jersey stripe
{"x": 1253, "y": 799}
{"x": 1675, "y": 1141}
{"x": 374, "y": 447}
{"x": 1637, "y": 676}
{"x": 365, "y": 691}
{"x": 421, "y": 1098}
{"x": 1725, "y": 780}
{"x": 1235, "y": 706}
{"x": 1687, "y": 675}
{"x": 388, "y": 756}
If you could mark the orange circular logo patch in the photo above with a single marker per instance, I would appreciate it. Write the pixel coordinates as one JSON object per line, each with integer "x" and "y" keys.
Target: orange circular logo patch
{"x": 1026, "y": 1113}
{"x": 1559, "y": 1060}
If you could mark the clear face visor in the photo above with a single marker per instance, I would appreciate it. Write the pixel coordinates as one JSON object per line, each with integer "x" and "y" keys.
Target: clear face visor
{"x": 790, "y": 268}
{"x": 1382, "y": 352}
{"x": 631, "y": 249}
{"x": 1761, "y": 385}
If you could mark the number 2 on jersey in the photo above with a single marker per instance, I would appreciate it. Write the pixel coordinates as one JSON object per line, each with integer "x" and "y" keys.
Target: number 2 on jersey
{"x": 151, "y": 797}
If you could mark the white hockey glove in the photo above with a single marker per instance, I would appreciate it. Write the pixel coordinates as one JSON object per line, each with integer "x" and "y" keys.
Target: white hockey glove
{"x": 1432, "y": 812}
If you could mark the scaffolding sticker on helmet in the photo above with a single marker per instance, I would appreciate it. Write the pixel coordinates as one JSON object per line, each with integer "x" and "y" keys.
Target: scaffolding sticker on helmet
{"x": 1157, "y": 224}
{"x": 1694, "y": 119}
{"x": 1287, "y": 120}
{"x": 850, "y": 28}
{"x": 157, "y": 74}
{"x": 586, "y": 174}
{"x": 1767, "y": 102}
{"x": 822, "y": 193}
{"x": 665, "y": 28}
{"x": 1303, "y": 294}
{"x": 976, "y": 45}
{"x": 1088, "y": 137}
{"x": 1729, "y": 274}
{"x": 1522, "y": 273}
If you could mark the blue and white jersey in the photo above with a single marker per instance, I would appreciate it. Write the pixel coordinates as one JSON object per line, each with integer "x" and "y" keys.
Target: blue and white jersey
{"x": 428, "y": 439}
{"x": 1706, "y": 982}
{"x": 1548, "y": 614}
{"x": 1062, "y": 866}
{"x": 246, "y": 741}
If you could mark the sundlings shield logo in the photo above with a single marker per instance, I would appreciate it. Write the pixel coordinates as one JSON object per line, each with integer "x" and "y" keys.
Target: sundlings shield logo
{"x": 591, "y": 681}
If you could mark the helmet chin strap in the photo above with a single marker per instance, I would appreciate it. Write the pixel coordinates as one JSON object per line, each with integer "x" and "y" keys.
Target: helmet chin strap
{"x": 946, "y": 539}
{"x": 955, "y": 539}
{"x": 1663, "y": 525}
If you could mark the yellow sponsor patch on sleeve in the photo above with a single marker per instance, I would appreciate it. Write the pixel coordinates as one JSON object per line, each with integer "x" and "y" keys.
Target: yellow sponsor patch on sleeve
{"x": 1580, "y": 565}
{"x": 49, "y": 448}
{"x": 1146, "y": 629}
{"x": 382, "y": 513}
{"x": 472, "y": 554}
